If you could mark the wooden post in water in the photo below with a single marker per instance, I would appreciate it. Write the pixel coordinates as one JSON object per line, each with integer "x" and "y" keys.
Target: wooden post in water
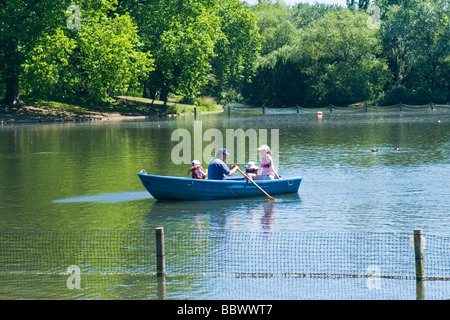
{"x": 418, "y": 251}
{"x": 160, "y": 260}
{"x": 420, "y": 269}
{"x": 161, "y": 288}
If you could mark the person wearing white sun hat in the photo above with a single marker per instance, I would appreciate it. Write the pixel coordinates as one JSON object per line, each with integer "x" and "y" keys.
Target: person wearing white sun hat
{"x": 251, "y": 170}
{"x": 197, "y": 170}
{"x": 267, "y": 168}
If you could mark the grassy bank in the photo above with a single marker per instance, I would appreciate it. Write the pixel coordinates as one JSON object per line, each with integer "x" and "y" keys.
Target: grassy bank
{"x": 78, "y": 109}
{"x": 156, "y": 107}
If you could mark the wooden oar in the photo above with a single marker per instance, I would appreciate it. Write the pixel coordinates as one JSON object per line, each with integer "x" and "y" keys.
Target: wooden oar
{"x": 248, "y": 178}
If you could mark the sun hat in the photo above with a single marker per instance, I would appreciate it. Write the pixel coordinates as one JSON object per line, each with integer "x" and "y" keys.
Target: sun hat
{"x": 195, "y": 162}
{"x": 251, "y": 165}
{"x": 264, "y": 147}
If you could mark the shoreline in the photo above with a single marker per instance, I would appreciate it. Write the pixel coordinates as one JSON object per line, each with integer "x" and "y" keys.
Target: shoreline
{"x": 42, "y": 114}
{"x": 30, "y": 114}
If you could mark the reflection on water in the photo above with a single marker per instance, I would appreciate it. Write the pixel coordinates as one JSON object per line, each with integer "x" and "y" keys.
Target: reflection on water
{"x": 113, "y": 197}
{"x": 250, "y": 214}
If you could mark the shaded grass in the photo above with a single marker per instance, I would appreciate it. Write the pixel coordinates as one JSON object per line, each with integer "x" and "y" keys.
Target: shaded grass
{"x": 81, "y": 108}
{"x": 152, "y": 107}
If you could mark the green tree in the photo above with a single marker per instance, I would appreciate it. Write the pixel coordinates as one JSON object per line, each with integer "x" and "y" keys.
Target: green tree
{"x": 340, "y": 56}
{"x": 328, "y": 54}
{"x": 110, "y": 60}
{"x": 279, "y": 81}
{"x": 274, "y": 25}
{"x": 48, "y": 70}
{"x": 236, "y": 51}
{"x": 303, "y": 14}
{"x": 193, "y": 42}
{"x": 181, "y": 35}
{"x": 99, "y": 60}
{"x": 415, "y": 39}
{"x": 22, "y": 23}
{"x": 184, "y": 54}
{"x": 275, "y": 81}
{"x": 361, "y": 4}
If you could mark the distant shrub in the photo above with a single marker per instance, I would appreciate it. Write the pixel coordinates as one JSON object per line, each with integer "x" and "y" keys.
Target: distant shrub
{"x": 396, "y": 94}
{"x": 208, "y": 103}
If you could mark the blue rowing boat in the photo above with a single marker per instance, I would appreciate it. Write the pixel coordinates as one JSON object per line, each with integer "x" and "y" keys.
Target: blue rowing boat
{"x": 180, "y": 188}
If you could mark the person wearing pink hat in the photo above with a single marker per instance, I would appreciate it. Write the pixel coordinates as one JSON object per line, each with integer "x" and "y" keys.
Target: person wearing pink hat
{"x": 267, "y": 167}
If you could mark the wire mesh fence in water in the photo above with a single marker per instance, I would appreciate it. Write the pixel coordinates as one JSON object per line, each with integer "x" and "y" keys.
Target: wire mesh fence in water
{"x": 238, "y": 265}
{"x": 339, "y": 109}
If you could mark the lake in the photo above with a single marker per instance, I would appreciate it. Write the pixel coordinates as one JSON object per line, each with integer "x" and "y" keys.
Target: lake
{"x": 79, "y": 178}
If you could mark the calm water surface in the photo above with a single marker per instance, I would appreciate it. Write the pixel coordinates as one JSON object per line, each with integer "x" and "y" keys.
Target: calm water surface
{"x": 83, "y": 176}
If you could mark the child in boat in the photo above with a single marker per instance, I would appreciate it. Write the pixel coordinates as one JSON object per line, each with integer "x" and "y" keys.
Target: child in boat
{"x": 197, "y": 170}
{"x": 251, "y": 170}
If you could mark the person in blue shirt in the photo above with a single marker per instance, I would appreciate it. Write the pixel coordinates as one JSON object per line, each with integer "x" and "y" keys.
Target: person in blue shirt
{"x": 217, "y": 169}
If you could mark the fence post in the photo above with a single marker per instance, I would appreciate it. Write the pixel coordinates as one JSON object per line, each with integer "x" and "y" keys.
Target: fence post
{"x": 298, "y": 108}
{"x": 160, "y": 260}
{"x": 366, "y": 106}
{"x": 229, "y": 110}
{"x": 401, "y": 106}
{"x": 195, "y": 112}
{"x": 331, "y": 108}
{"x": 264, "y": 110}
{"x": 418, "y": 251}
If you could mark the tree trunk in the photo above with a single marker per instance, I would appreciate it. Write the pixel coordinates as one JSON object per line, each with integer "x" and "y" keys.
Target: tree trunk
{"x": 164, "y": 94}
{"x": 145, "y": 93}
{"x": 12, "y": 91}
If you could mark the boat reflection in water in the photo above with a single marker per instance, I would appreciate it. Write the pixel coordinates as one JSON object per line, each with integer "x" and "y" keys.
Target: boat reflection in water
{"x": 249, "y": 214}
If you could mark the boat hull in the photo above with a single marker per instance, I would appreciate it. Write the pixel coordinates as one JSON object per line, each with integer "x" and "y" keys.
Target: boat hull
{"x": 178, "y": 188}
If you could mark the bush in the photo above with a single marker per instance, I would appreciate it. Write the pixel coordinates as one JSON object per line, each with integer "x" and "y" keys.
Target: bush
{"x": 396, "y": 94}
{"x": 207, "y": 103}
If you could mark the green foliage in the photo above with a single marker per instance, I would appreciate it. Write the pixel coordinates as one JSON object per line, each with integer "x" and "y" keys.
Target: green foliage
{"x": 206, "y": 103}
{"x": 22, "y": 25}
{"x": 109, "y": 59}
{"x": 236, "y": 51}
{"x": 269, "y": 53}
{"x": 194, "y": 41}
{"x": 334, "y": 59}
{"x": 46, "y": 68}
{"x": 340, "y": 56}
{"x": 101, "y": 60}
{"x": 303, "y": 14}
{"x": 181, "y": 36}
{"x": 185, "y": 50}
{"x": 274, "y": 25}
{"x": 416, "y": 42}
{"x": 360, "y": 4}
{"x": 334, "y": 55}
